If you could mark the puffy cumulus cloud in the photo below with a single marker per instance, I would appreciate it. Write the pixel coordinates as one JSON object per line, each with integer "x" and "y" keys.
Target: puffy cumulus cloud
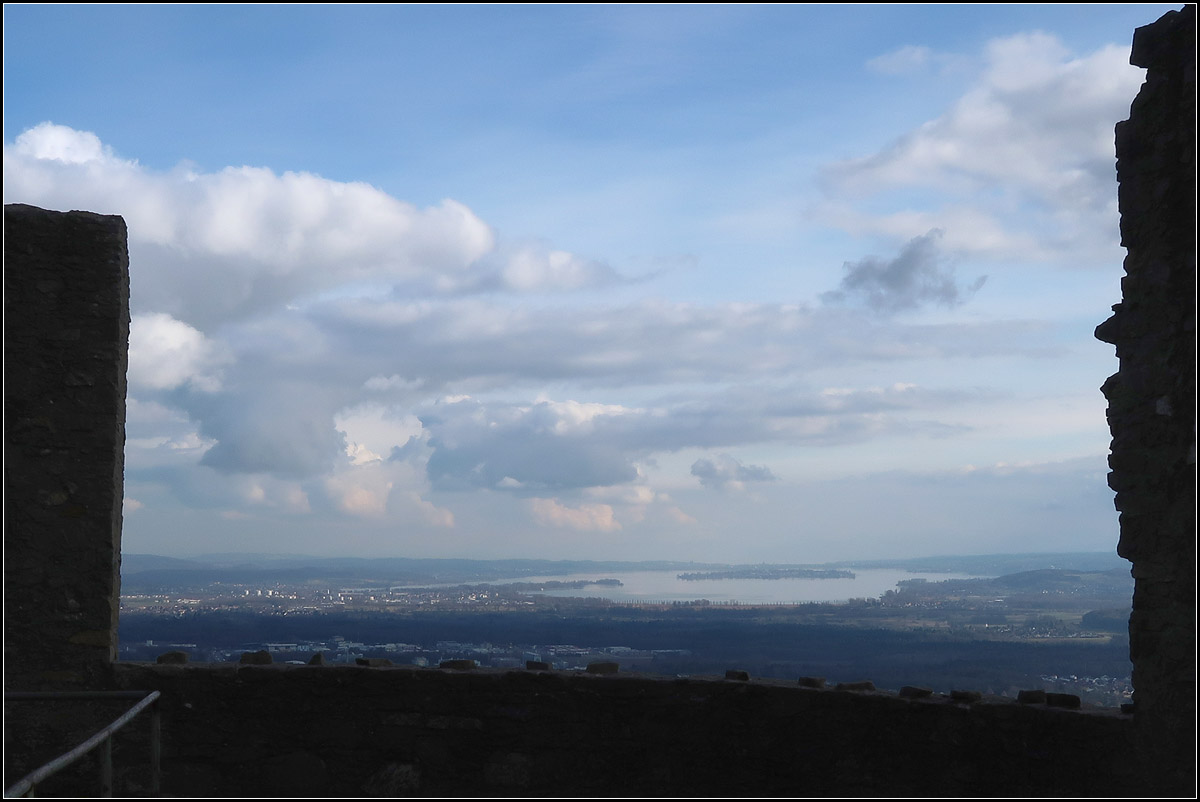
{"x": 49, "y": 142}
{"x": 209, "y": 247}
{"x": 586, "y": 517}
{"x": 165, "y": 353}
{"x": 130, "y": 505}
{"x": 919, "y": 274}
{"x": 728, "y": 472}
{"x": 1036, "y": 129}
{"x": 374, "y": 431}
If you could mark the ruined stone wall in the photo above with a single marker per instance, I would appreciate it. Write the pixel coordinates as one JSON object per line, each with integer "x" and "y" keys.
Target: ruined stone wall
{"x": 66, "y": 338}
{"x": 1152, "y": 398}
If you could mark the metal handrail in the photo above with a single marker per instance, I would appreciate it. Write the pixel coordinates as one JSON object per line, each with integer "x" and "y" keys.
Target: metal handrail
{"x": 28, "y": 784}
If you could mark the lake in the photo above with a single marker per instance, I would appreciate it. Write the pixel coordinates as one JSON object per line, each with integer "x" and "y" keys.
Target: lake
{"x": 665, "y": 586}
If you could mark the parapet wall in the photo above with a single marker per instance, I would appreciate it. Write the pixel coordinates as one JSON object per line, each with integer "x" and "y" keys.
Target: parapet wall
{"x": 351, "y": 731}
{"x": 1152, "y": 398}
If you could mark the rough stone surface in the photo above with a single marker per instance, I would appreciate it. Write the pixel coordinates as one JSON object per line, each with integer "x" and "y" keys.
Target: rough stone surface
{"x": 603, "y": 667}
{"x": 736, "y": 674}
{"x": 259, "y": 658}
{"x": 175, "y": 657}
{"x": 66, "y": 342}
{"x": 1152, "y": 398}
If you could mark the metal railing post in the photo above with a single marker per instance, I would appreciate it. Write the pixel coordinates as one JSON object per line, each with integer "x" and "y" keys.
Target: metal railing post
{"x": 106, "y": 774}
{"x": 155, "y": 750}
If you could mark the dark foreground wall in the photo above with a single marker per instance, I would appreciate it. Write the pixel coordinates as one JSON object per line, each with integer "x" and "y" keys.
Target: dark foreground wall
{"x": 1152, "y": 399}
{"x": 235, "y": 730}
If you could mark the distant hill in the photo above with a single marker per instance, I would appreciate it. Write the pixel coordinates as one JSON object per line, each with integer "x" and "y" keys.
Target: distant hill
{"x": 999, "y": 564}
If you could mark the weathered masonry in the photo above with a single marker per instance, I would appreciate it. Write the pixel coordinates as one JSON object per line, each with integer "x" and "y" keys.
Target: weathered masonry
{"x": 1152, "y": 398}
{"x": 66, "y": 337}
{"x": 272, "y": 730}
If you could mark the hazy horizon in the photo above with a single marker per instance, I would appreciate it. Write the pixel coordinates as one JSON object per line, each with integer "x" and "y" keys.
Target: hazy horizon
{"x": 736, "y": 284}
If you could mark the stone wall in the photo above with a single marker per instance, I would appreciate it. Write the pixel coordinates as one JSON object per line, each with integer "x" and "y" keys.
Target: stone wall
{"x": 66, "y": 337}
{"x": 1152, "y": 398}
{"x": 280, "y": 730}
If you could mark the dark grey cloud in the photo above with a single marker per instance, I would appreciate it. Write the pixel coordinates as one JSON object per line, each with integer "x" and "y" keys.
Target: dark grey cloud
{"x": 285, "y": 432}
{"x": 918, "y": 275}
{"x": 724, "y": 470}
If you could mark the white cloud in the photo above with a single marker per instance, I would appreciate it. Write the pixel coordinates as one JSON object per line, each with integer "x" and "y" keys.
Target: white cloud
{"x": 165, "y": 353}
{"x": 49, "y": 142}
{"x": 212, "y": 247}
{"x": 586, "y": 517}
{"x": 372, "y": 431}
{"x": 1028, "y": 150}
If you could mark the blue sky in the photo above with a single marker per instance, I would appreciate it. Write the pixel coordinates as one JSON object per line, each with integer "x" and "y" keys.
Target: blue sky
{"x": 738, "y": 283}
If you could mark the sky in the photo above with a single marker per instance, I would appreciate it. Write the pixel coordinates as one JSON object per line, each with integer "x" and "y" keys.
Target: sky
{"x": 780, "y": 283}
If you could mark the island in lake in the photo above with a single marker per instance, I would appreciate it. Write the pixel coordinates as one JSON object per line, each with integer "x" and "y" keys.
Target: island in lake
{"x": 771, "y": 572}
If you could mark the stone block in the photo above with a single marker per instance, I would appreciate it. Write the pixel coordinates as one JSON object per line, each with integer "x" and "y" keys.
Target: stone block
{"x": 458, "y": 665}
{"x": 1032, "y": 697}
